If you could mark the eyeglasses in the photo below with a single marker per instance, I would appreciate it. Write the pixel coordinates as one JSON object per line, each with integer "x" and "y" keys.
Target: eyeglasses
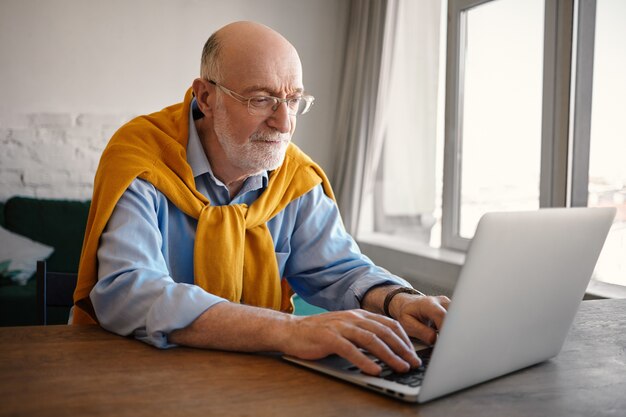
{"x": 266, "y": 105}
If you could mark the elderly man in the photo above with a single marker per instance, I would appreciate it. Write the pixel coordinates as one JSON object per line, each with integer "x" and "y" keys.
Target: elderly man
{"x": 205, "y": 216}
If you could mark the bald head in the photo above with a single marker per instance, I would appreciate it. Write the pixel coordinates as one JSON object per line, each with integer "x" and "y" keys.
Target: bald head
{"x": 252, "y": 35}
{"x": 250, "y": 50}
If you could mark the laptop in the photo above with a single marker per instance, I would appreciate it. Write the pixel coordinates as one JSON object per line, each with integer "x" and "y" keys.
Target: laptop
{"x": 524, "y": 277}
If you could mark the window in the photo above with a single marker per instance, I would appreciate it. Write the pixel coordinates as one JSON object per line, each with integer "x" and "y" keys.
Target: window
{"x": 534, "y": 93}
{"x": 497, "y": 112}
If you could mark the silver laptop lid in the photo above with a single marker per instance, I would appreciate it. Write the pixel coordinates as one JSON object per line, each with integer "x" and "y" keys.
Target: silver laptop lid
{"x": 524, "y": 277}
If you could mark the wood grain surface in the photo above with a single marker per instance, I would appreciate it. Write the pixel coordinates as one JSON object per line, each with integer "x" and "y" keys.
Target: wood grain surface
{"x": 86, "y": 371}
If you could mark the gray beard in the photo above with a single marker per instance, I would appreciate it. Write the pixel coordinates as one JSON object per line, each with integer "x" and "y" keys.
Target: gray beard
{"x": 256, "y": 155}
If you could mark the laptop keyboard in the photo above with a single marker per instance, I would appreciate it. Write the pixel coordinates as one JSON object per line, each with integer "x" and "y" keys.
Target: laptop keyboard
{"x": 414, "y": 377}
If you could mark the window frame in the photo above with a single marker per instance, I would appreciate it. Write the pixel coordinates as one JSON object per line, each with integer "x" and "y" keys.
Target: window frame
{"x": 583, "y": 90}
{"x": 554, "y": 189}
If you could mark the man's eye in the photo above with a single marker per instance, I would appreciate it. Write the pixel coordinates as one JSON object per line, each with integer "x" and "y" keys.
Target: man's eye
{"x": 261, "y": 101}
{"x": 294, "y": 102}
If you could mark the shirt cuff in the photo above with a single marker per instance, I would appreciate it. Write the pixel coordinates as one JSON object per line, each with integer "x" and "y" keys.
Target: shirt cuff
{"x": 177, "y": 308}
{"x": 354, "y": 296}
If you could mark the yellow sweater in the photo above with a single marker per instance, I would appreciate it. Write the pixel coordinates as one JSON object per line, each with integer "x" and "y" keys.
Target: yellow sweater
{"x": 233, "y": 250}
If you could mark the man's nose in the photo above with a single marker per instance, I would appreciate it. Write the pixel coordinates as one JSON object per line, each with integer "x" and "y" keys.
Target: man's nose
{"x": 280, "y": 119}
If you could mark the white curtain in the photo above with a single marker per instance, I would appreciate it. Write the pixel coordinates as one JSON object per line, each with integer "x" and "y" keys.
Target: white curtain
{"x": 410, "y": 145}
{"x": 360, "y": 127}
{"x": 389, "y": 97}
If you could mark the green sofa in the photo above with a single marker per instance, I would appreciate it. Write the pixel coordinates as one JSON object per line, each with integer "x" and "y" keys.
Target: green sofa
{"x": 60, "y": 224}
{"x": 56, "y": 223}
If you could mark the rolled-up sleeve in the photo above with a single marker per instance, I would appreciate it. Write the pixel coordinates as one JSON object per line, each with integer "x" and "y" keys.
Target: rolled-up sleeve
{"x": 135, "y": 293}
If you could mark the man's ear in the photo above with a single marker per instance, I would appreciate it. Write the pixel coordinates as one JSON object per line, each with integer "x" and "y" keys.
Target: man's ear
{"x": 201, "y": 90}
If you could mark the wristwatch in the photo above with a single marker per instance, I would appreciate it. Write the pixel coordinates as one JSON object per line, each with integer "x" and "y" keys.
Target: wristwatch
{"x": 395, "y": 292}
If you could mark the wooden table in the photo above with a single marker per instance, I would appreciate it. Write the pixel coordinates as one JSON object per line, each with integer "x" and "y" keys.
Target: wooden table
{"x": 83, "y": 370}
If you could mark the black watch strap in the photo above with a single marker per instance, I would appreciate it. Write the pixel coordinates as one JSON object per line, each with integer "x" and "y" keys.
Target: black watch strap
{"x": 395, "y": 292}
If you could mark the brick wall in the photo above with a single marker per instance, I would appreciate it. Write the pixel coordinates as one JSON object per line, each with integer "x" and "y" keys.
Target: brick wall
{"x": 53, "y": 155}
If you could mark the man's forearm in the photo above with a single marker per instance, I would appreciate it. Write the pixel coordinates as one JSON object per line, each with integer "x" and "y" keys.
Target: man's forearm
{"x": 236, "y": 327}
{"x": 374, "y": 299}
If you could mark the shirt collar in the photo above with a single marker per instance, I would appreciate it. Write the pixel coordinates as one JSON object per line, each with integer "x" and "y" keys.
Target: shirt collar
{"x": 197, "y": 159}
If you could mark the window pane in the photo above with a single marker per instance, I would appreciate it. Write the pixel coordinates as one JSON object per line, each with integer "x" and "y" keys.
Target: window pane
{"x": 607, "y": 164}
{"x": 501, "y": 109}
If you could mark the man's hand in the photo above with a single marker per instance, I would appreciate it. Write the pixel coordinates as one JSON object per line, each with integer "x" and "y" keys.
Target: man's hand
{"x": 236, "y": 327}
{"x": 344, "y": 332}
{"x": 420, "y": 316}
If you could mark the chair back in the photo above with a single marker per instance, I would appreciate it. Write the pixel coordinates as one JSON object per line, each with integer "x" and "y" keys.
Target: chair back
{"x": 54, "y": 289}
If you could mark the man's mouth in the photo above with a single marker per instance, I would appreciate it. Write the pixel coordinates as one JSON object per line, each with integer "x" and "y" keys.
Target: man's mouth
{"x": 270, "y": 140}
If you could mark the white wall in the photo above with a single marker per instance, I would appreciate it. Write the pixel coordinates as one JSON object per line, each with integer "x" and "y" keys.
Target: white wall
{"x": 73, "y": 70}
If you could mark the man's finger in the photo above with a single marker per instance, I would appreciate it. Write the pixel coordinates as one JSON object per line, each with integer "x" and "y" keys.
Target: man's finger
{"x": 436, "y": 314}
{"x": 388, "y": 335}
{"x": 351, "y": 353}
{"x": 392, "y": 324}
{"x": 421, "y": 331}
{"x": 377, "y": 346}
{"x": 426, "y": 310}
{"x": 444, "y": 301}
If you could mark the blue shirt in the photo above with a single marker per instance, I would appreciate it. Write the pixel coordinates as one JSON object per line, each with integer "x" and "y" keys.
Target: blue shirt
{"x": 145, "y": 258}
